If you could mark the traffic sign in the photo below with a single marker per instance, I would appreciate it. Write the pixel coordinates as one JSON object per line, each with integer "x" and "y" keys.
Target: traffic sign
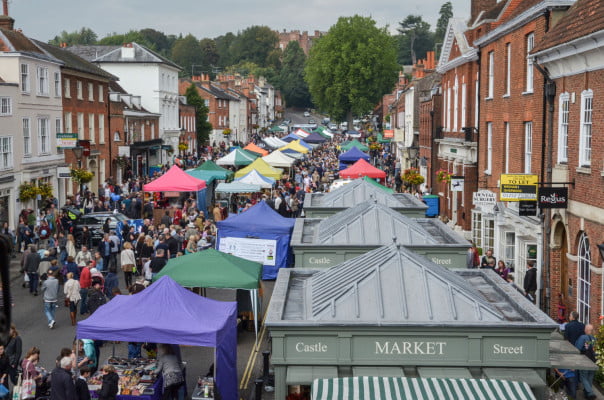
{"x": 518, "y": 187}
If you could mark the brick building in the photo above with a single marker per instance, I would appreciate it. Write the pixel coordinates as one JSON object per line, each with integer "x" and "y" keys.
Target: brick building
{"x": 571, "y": 55}
{"x": 186, "y": 115}
{"x": 85, "y": 112}
{"x": 303, "y": 38}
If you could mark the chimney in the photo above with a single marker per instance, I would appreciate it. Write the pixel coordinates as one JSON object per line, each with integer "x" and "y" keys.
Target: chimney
{"x": 196, "y": 78}
{"x": 127, "y": 50}
{"x": 479, "y": 6}
{"x": 6, "y": 22}
{"x": 430, "y": 60}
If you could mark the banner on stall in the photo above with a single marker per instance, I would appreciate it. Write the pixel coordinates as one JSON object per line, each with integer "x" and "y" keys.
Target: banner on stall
{"x": 263, "y": 251}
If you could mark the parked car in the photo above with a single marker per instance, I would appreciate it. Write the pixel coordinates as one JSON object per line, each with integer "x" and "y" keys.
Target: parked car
{"x": 94, "y": 221}
{"x": 311, "y": 121}
{"x": 306, "y": 114}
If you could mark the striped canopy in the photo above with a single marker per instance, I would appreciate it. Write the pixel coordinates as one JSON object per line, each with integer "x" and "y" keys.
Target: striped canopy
{"x": 386, "y": 388}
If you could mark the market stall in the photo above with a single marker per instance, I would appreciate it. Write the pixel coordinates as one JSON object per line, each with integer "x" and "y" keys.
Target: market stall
{"x": 273, "y": 142}
{"x": 362, "y": 168}
{"x": 214, "y": 269}
{"x": 210, "y": 171}
{"x": 237, "y": 187}
{"x": 256, "y": 178}
{"x": 296, "y": 146}
{"x": 166, "y": 312}
{"x": 237, "y": 158}
{"x": 279, "y": 159}
{"x": 262, "y": 167}
{"x": 354, "y": 143}
{"x": 252, "y": 148}
{"x": 315, "y": 138}
{"x": 351, "y": 156}
{"x": 290, "y": 138}
{"x": 259, "y": 234}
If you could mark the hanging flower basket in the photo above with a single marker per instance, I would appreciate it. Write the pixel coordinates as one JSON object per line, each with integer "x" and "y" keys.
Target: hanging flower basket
{"x": 226, "y": 132}
{"x": 412, "y": 177}
{"x": 45, "y": 190}
{"x": 183, "y": 147}
{"x": 121, "y": 161}
{"x": 27, "y": 191}
{"x": 443, "y": 176}
{"x": 81, "y": 175}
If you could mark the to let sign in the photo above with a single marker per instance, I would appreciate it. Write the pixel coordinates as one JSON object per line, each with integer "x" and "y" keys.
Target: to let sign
{"x": 553, "y": 197}
{"x": 518, "y": 187}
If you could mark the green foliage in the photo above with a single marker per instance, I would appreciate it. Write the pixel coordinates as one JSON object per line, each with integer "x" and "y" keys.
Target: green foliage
{"x": 201, "y": 114}
{"x": 350, "y": 67}
{"x": 291, "y": 78}
{"x": 186, "y": 52}
{"x": 209, "y": 57}
{"x": 223, "y": 47}
{"x": 158, "y": 40}
{"x": 84, "y": 36}
{"x": 118, "y": 39}
{"x": 255, "y": 44}
{"x": 445, "y": 14}
{"x": 415, "y": 39}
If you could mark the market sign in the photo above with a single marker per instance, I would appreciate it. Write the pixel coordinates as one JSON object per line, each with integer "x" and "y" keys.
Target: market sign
{"x": 457, "y": 183}
{"x": 518, "y": 187}
{"x": 67, "y": 140}
{"x": 553, "y": 197}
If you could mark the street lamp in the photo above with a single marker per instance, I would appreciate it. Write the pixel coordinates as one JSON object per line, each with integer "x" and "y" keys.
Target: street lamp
{"x": 78, "y": 151}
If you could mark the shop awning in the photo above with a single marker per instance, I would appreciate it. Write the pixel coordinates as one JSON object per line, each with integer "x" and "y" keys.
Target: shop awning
{"x": 306, "y": 375}
{"x": 385, "y": 388}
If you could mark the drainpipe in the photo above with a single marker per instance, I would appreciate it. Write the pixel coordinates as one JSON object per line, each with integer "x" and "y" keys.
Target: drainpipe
{"x": 547, "y": 136}
{"x": 108, "y": 129}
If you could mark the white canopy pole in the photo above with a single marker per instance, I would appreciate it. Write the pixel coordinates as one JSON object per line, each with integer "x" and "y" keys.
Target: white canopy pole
{"x": 254, "y": 299}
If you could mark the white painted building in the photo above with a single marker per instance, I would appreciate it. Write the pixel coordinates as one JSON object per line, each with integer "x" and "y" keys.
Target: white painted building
{"x": 238, "y": 120}
{"x": 30, "y": 118}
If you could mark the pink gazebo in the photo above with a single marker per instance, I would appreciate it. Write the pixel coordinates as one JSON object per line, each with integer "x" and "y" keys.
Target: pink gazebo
{"x": 362, "y": 168}
{"x": 175, "y": 180}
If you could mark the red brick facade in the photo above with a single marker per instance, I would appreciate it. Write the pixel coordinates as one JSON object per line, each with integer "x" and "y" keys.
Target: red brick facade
{"x": 187, "y": 125}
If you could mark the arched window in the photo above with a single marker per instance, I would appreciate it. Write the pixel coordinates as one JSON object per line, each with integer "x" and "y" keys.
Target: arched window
{"x": 583, "y": 279}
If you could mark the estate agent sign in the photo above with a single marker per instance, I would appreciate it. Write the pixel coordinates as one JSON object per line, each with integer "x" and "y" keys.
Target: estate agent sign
{"x": 518, "y": 187}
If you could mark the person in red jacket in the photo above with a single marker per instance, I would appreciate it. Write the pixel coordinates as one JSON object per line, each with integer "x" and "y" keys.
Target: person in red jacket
{"x": 85, "y": 283}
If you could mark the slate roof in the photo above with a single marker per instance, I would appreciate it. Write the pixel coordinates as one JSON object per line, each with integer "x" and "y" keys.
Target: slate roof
{"x": 73, "y": 61}
{"x": 15, "y": 41}
{"x": 582, "y": 19}
{"x": 91, "y": 52}
{"x": 114, "y": 55}
{"x": 493, "y": 13}
{"x": 404, "y": 286}
{"x": 359, "y": 191}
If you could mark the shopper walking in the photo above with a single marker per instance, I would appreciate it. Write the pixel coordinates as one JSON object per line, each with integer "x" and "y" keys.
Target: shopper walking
{"x": 31, "y": 262}
{"x": 128, "y": 261}
{"x": 585, "y": 344}
{"x": 72, "y": 296}
{"x": 50, "y": 289}
{"x": 14, "y": 350}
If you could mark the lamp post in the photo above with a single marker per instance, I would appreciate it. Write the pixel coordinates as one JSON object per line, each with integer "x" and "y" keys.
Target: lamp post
{"x": 78, "y": 151}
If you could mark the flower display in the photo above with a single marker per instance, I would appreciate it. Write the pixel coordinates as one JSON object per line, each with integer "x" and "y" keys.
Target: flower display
{"x": 443, "y": 175}
{"x": 412, "y": 177}
{"x": 81, "y": 175}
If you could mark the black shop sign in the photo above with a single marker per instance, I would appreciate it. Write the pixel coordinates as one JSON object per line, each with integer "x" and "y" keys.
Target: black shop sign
{"x": 553, "y": 197}
{"x": 527, "y": 208}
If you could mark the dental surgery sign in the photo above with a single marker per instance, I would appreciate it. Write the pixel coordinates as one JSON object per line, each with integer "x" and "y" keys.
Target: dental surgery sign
{"x": 518, "y": 187}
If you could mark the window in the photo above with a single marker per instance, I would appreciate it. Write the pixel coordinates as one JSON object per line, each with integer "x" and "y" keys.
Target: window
{"x": 57, "y": 84}
{"x": 6, "y": 152}
{"x": 506, "y": 126}
{"x": 43, "y": 135}
{"x": 6, "y": 106}
{"x": 488, "y": 238}
{"x": 25, "y": 78}
{"x": 142, "y": 132}
{"x": 153, "y": 131}
{"x": 530, "y": 43}
{"x": 81, "y": 126}
{"x": 79, "y": 90}
{"x": 477, "y": 228}
{"x": 26, "y": 137}
{"x": 455, "y": 105}
{"x": 207, "y": 103}
{"x": 585, "y": 138}
{"x": 67, "y": 122}
{"x": 116, "y": 136}
{"x": 509, "y": 249}
{"x": 489, "y": 147}
{"x": 476, "y": 98}
{"x": 463, "y": 104}
{"x": 58, "y": 125}
{"x": 101, "y": 98}
{"x": 448, "y": 124}
{"x": 90, "y": 92}
{"x": 528, "y": 146}
{"x": 43, "y": 89}
{"x": 101, "y": 128}
{"x": 491, "y": 86}
{"x": 584, "y": 278}
{"x": 563, "y": 128}
{"x": 67, "y": 88}
{"x": 508, "y": 68}
{"x": 91, "y": 128}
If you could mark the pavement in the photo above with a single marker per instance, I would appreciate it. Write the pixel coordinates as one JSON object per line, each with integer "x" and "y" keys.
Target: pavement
{"x": 31, "y": 323}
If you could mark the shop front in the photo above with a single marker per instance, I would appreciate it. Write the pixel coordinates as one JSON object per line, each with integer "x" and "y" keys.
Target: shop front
{"x": 322, "y": 243}
{"x": 323, "y": 205}
{"x": 392, "y": 313}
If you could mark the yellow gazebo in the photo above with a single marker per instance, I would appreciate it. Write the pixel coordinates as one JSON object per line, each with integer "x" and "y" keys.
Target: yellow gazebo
{"x": 262, "y": 167}
{"x": 295, "y": 146}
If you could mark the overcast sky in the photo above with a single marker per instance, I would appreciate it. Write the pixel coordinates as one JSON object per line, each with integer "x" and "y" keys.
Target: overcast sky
{"x": 44, "y": 19}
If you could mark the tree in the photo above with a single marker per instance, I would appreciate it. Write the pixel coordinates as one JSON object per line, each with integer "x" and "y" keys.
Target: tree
{"x": 84, "y": 36}
{"x": 445, "y": 14}
{"x": 118, "y": 39}
{"x": 291, "y": 77}
{"x": 157, "y": 39}
{"x": 254, "y": 44}
{"x": 351, "y": 67}
{"x": 186, "y": 52}
{"x": 223, "y": 47}
{"x": 202, "y": 125}
{"x": 415, "y": 39}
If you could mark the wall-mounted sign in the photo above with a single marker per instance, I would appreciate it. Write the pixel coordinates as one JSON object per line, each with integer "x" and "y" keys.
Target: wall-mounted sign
{"x": 553, "y": 197}
{"x": 63, "y": 172}
{"x": 484, "y": 198}
{"x": 123, "y": 151}
{"x": 457, "y": 183}
{"x": 67, "y": 140}
{"x": 388, "y": 133}
{"x": 518, "y": 187}
{"x": 86, "y": 145}
{"x": 527, "y": 208}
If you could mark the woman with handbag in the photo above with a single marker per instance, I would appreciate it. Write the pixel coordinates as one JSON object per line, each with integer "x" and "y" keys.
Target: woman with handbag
{"x": 30, "y": 373}
{"x": 127, "y": 261}
{"x": 170, "y": 368}
{"x": 14, "y": 350}
{"x": 72, "y": 296}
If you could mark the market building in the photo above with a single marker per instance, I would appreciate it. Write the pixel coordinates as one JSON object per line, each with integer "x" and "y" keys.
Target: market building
{"x": 383, "y": 314}
{"x": 323, "y": 243}
{"x": 321, "y": 205}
